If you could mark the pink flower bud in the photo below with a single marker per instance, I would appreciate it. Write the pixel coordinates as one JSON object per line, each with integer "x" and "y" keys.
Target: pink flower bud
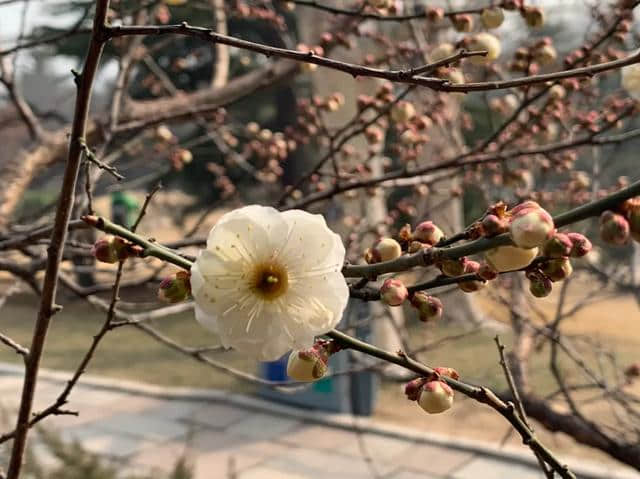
{"x": 429, "y": 307}
{"x": 493, "y": 225}
{"x": 453, "y": 267}
{"x": 402, "y": 112}
{"x": 581, "y": 245}
{"x": 385, "y": 249}
{"x": 428, "y": 232}
{"x": 175, "y": 288}
{"x": 436, "y": 397}
{"x": 534, "y": 16}
{"x": 510, "y": 258}
{"x": 531, "y": 227}
{"x": 557, "y": 269}
{"x": 393, "y": 292}
{"x": 492, "y": 17}
{"x": 539, "y": 285}
{"x": 487, "y": 272}
{"x": 405, "y": 233}
{"x": 309, "y": 364}
{"x": 557, "y": 246}
{"x": 614, "y": 228}
{"x": 413, "y": 388}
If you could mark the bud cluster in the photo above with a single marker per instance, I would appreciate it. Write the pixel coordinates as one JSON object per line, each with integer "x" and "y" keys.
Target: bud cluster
{"x": 622, "y": 225}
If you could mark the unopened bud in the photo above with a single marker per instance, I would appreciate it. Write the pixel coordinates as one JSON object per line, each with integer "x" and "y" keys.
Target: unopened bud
{"x": 436, "y": 397}
{"x": 492, "y": 17}
{"x": 510, "y": 258}
{"x": 402, "y": 112}
{"x": 539, "y": 285}
{"x": 580, "y": 245}
{"x": 112, "y": 249}
{"x": 557, "y": 246}
{"x": 386, "y": 249}
{"x": 175, "y": 288}
{"x": 489, "y": 43}
{"x": 309, "y": 364}
{"x": 393, "y": 292}
{"x": 442, "y": 51}
{"x": 545, "y": 55}
{"x": 534, "y": 16}
{"x": 557, "y": 269}
{"x": 531, "y": 227}
{"x": 428, "y": 232}
{"x": 429, "y": 307}
{"x": 614, "y": 228}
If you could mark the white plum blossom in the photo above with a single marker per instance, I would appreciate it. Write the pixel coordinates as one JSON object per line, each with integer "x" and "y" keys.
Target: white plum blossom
{"x": 269, "y": 282}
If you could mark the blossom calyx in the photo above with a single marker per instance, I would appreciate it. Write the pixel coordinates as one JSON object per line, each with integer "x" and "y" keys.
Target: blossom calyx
{"x": 580, "y": 245}
{"x": 557, "y": 269}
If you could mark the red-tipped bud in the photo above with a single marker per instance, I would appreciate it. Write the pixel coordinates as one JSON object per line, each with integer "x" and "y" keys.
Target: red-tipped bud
{"x": 436, "y": 397}
{"x": 385, "y": 249}
{"x": 539, "y": 285}
{"x": 530, "y": 227}
{"x": 393, "y": 292}
{"x": 557, "y": 246}
{"x": 112, "y": 249}
{"x": 581, "y": 246}
{"x": 428, "y": 232}
{"x": 614, "y": 228}
{"x": 557, "y": 269}
{"x": 175, "y": 288}
{"x": 493, "y": 225}
{"x": 402, "y": 112}
{"x": 462, "y": 22}
{"x": 429, "y": 307}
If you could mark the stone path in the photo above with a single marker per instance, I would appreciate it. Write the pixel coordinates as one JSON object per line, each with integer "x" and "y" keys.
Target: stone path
{"x": 225, "y": 435}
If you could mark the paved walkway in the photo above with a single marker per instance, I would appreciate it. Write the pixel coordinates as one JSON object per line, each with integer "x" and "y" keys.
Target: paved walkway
{"x": 226, "y": 435}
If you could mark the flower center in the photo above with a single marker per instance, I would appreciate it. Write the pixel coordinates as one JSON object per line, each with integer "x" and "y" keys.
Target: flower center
{"x": 269, "y": 280}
